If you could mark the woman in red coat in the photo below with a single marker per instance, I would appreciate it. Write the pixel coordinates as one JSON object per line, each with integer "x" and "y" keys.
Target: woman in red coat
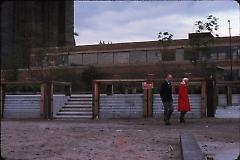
{"x": 183, "y": 99}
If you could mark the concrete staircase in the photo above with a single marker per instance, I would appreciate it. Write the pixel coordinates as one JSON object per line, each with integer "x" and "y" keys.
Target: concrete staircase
{"x": 77, "y": 107}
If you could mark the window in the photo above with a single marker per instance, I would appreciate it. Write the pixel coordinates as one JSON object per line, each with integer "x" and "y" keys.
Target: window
{"x": 179, "y": 54}
{"x": 154, "y": 56}
{"x": 169, "y": 55}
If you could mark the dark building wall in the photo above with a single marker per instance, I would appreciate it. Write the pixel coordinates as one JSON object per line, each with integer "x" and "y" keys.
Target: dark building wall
{"x": 74, "y": 74}
{"x": 33, "y": 24}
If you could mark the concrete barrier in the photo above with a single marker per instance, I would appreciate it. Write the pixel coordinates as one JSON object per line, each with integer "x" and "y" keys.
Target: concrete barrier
{"x": 190, "y": 149}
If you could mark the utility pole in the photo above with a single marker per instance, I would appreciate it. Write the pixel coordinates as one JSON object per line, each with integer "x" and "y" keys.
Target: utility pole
{"x": 230, "y": 50}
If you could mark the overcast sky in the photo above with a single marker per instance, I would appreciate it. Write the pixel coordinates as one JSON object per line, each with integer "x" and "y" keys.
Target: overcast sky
{"x": 128, "y": 21}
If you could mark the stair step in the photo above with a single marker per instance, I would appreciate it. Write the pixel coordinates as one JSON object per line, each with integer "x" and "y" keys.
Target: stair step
{"x": 80, "y": 99}
{"x": 77, "y": 106}
{"x": 73, "y": 117}
{"x": 81, "y": 96}
{"x": 76, "y": 109}
{"x": 74, "y": 113}
{"x": 79, "y": 102}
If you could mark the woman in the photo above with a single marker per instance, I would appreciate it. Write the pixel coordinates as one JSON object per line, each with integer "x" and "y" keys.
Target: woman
{"x": 183, "y": 99}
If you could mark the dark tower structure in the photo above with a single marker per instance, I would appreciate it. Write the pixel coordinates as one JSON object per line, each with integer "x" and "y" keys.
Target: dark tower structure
{"x": 33, "y": 24}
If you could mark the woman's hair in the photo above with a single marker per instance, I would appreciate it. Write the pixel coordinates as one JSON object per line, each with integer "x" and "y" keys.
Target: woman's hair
{"x": 185, "y": 79}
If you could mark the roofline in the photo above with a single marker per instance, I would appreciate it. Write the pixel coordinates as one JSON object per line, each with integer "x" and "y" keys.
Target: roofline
{"x": 128, "y": 45}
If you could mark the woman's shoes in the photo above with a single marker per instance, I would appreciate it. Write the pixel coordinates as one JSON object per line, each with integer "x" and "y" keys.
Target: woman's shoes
{"x": 182, "y": 120}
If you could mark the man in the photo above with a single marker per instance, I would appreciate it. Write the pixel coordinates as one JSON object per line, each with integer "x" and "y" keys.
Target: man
{"x": 166, "y": 96}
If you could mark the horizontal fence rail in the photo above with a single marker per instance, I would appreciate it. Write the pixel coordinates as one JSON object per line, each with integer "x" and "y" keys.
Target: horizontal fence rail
{"x": 22, "y": 106}
{"x": 222, "y": 99}
{"x": 110, "y": 106}
{"x": 28, "y": 106}
{"x": 121, "y": 106}
{"x": 195, "y": 104}
{"x": 236, "y": 99}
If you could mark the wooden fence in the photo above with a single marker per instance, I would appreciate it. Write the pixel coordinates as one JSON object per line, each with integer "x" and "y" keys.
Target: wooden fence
{"x": 140, "y": 105}
{"x": 228, "y": 98}
{"x": 32, "y": 105}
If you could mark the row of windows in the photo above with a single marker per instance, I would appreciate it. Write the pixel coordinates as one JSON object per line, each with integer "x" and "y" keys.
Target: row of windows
{"x": 139, "y": 57}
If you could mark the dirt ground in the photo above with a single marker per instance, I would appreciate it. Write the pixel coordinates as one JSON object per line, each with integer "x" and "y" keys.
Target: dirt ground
{"x": 122, "y": 139}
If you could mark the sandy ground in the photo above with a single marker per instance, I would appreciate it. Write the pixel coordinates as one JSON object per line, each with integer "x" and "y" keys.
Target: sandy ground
{"x": 122, "y": 139}
{"x": 220, "y": 150}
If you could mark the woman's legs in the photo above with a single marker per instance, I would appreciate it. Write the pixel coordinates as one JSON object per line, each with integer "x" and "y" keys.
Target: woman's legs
{"x": 182, "y": 117}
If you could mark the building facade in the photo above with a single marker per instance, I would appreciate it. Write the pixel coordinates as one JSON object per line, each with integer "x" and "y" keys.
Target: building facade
{"x": 137, "y": 59}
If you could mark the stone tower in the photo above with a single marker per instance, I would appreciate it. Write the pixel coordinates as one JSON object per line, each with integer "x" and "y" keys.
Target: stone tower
{"x": 33, "y": 24}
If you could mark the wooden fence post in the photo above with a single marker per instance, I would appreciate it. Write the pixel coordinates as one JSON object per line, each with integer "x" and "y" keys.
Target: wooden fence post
{"x": 49, "y": 100}
{"x": 215, "y": 97}
{"x": 95, "y": 107}
{"x": 203, "y": 99}
{"x": 217, "y": 92}
{"x": 229, "y": 95}
{"x": 46, "y": 100}
{"x": 43, "y": 100}
{"x": 150, "y": 102}
{"x": 145, "y": 103}
{"x": 211, "y": 97}
{"x": 3, "y": 89}
{"x": 67, "y": 90}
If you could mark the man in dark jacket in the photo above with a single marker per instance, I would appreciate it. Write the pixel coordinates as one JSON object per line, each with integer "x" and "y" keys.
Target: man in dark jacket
{"x": 166, "y": 96}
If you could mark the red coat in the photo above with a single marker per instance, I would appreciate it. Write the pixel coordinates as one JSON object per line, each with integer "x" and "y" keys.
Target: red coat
{"x": 183, "y": 99}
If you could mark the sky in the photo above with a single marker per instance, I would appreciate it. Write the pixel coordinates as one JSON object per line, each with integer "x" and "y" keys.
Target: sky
{"x": 134, "y": 21}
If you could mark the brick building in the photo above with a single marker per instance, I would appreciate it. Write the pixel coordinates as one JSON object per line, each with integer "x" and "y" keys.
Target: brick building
{"x": 140, "y": 53}
{"x": 138, "y": 60}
